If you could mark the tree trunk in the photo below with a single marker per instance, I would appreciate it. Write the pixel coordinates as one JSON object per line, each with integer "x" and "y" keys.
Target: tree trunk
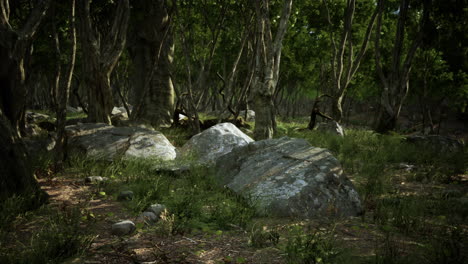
{"x": 337, "y": 107}
{"x": 100, "y": 55}
{"x": 386, "y": 122}
{"x": 100, "y": 101}
{"x": 15, "y": 45}
{"x": 267, "y": 62}
{"x": 395, "y": 82}
{"x": 16, "y": 177}
{"x": 265, "y": 122}
{"x": 63, "y": 93}
{"x": 152, "y": 52}
{"x": 344, "y": 62}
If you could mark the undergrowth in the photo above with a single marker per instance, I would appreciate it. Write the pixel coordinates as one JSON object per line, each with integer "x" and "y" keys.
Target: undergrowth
{"x": 56, "y": 236}
{"x": 196, "y": 203}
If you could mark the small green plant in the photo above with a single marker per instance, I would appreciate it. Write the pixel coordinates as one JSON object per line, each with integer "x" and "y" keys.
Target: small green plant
{"x": 311, "y": 248}
{"x": 260, "y": 237}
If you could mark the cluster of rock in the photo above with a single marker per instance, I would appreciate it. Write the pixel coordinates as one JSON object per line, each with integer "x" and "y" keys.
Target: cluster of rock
{"x": 149, "y": 217}
{"x": 283, "y": 177}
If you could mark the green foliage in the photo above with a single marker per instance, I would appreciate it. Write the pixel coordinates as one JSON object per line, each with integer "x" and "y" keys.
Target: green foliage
{"x": 407, "y": 214}
{"x": 193, "y": 199}
{"x": 260, "y": 236}
{"x": 446, "y": 247}
{"x": 311, "y": 248}
{"x": 60, "y": 237}
{"x": 10, "y": 209}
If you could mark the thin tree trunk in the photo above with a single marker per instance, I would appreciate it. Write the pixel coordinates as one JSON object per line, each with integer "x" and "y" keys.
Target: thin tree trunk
{"x": 345, "y": 64}
{"x": 395, "y": 84}
{"x": 63, "y": 96}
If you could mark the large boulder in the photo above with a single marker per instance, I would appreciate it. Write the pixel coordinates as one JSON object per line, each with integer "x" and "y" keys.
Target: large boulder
{"x": 214, "y": 142}
{"x": 102, "y": 141}
{"x": 288, "y": 177}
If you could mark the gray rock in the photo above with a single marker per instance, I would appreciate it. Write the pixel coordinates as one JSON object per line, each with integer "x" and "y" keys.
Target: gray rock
{"x": 96, "y": 179}
{"x": 35, "y": 146}
{"x": 331, "y": 127}
{"x": 156, "y": 209}
{"x": 125, "y": 196}
{"x": 406, "y": 167}
{"x": 250, "y": 115}
{"x": 123, "y": 228}
{"x": 214, "y": 142}
{"x": 32, "y": 117}
{"x": 105, "y": 142}
{"x": 74, "y": 110}
{"x": 437, "y": 143}
{"x": 150, "y": 144}
{"x": 147, "y": 218}
{"x": 288, "y": 177}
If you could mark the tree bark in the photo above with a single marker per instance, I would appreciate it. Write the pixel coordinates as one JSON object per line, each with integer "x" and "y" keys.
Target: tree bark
{"x": 152, "y": 50}
{"x": 63, "y": 93}
{"x": 100, "y": 56}
{"x": 345, "y": 64}
{"x": 395, "y": 82}
{"x": 267, "y": 62}
{"x": 16, "y": 177}
{"x": 14, "y": 47}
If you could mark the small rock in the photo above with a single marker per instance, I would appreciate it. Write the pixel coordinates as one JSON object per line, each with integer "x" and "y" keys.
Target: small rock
{"x": 406, "y": 167}
{"x": 125, "y": 195}
{"x": 95, "y": 179}
{"x": 156, "y": 209}
{"x": 123, "y": 228}
{"x": 147, "y": 218}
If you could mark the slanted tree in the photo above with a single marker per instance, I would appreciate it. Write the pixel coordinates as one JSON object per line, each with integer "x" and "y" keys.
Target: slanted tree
{"x": 152, "y": 51}
{"x": 345, "y": 62}
{"x": 15, "y": 49}
{"x": 267, "y": 66}
{"x": 101, "y": 47}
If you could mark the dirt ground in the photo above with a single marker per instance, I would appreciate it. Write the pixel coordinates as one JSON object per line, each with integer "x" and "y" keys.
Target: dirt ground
{"x": 147, "y": 246}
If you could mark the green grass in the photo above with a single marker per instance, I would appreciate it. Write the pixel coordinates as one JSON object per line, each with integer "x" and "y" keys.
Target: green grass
{"x": 194, "y": 198}
{"x": 56, "y": 237}
{"x": 196, "y": 203}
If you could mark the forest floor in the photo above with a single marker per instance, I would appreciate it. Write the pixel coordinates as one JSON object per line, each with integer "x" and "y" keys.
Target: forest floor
{"x": 415, "y": 201}
{"x": 359, "y": 235}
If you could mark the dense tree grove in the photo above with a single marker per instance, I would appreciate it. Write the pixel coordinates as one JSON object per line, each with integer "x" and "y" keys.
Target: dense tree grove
{"x": 161, "y": 58}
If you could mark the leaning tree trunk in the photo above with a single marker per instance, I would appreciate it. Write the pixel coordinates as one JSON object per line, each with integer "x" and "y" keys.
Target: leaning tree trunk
{"x": 152, "y": 53}
{"x": 344, "y": 62}
{"x": 15, "y": 46}
{"x": 267, "y": 63}
{"x": 100, "y": 55}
